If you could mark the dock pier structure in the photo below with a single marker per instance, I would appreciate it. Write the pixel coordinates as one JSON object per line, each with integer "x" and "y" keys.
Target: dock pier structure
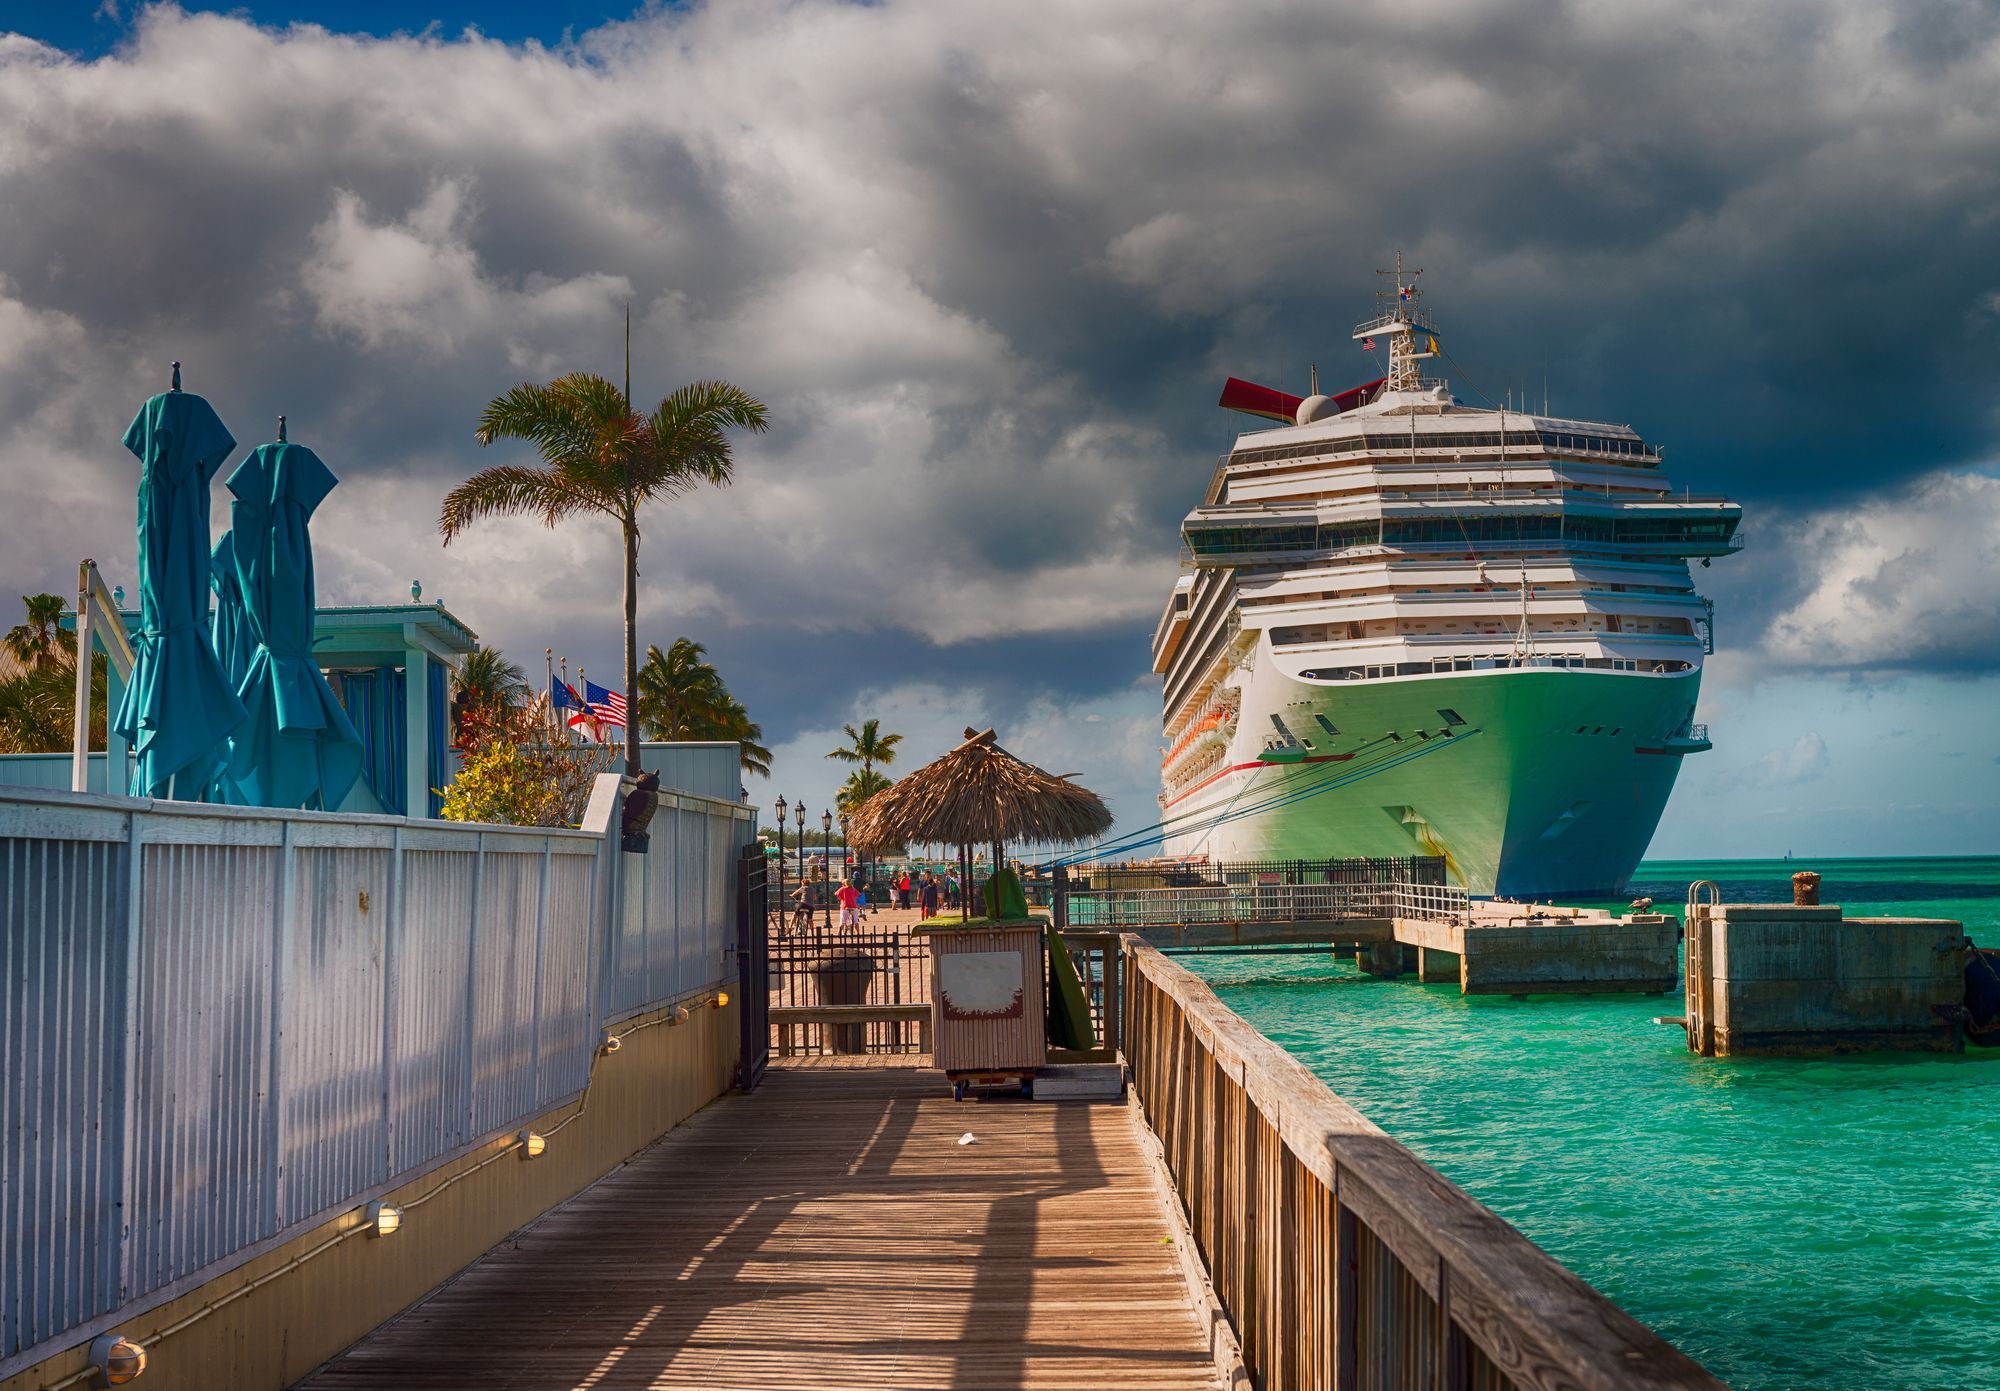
{"x": 502, "y": 1109}
{"x": 1394, "y": 925}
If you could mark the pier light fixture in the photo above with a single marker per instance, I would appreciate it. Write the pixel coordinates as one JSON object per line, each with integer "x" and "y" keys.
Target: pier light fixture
{"x": 826, "y": 854}
{"x": 610, "y": 1043}
{"x": 117, "y": 1359}
{"x": 721, "y": 998}
{"x": 384, "y": 1219}
{"x": 532, "y": 1144}
{"x": 681, "y": 1015}
{"x": 782, "y": 808}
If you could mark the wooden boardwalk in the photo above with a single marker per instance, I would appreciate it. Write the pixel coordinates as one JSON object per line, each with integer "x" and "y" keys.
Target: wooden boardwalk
{"x": 828, "y": 1231}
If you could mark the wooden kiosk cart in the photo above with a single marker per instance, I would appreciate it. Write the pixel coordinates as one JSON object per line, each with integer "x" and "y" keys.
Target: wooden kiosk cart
{"x": 988, "y": 975}
{"x": 987, "y": 1003}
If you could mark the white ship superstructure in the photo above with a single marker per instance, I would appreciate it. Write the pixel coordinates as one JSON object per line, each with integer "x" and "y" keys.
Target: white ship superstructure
{"x": 1392, "y": 566}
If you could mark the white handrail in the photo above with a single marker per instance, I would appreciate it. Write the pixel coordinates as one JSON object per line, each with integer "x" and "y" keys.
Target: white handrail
{"x": 96, "y": 609}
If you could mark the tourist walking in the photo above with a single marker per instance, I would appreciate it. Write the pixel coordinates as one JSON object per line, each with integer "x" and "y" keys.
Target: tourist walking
{"x": 927, "y": 896}
{"x": 850, "y": 904}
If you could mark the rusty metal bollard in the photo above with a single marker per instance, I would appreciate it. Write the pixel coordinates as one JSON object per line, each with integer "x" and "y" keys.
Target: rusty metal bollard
{"x": 1805, "y": 889}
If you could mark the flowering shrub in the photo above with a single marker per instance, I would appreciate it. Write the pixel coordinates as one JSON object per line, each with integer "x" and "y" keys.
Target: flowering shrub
{"x": 526, "y": 784}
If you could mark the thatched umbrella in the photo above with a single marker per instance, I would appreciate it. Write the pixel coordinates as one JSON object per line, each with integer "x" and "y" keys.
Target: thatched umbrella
{"x": 979, "y": 794}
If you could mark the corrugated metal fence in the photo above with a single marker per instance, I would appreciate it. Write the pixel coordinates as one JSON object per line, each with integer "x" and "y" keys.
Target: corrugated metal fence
{"x": 221, "y": 1026}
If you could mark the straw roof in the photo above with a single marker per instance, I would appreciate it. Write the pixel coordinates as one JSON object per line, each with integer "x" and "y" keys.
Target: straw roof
{"x": 974, "y": 795}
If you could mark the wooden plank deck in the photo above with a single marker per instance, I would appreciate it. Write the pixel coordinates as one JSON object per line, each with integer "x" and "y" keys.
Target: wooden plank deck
{"x": 828, "y": 1230}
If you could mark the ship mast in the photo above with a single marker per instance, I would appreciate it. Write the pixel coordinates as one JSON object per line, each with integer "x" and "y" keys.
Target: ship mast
{"x": 1401, "y": 317}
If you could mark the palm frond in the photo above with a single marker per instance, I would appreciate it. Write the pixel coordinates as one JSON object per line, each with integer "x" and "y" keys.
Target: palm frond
{"x": 567, "y": 419}
{"x": 687, "y": 443}
{"x": 510, "y": 489}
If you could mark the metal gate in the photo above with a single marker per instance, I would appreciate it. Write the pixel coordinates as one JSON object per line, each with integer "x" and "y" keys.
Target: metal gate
{"x": 753, "y": 965}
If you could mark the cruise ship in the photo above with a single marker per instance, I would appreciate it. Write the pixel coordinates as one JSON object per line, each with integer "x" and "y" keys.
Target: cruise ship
{"x": 1406, "y": 625}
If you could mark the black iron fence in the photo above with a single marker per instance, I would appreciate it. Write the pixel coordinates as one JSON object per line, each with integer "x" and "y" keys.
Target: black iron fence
{"x": 849, "y": 990}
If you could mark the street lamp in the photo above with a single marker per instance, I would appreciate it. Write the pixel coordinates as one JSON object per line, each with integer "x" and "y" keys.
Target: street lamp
{"x": 846, "y": 869}
{"x": 826, "y": 830}
{"x": 805, "y": 895}
{"x": 782, "y": 808}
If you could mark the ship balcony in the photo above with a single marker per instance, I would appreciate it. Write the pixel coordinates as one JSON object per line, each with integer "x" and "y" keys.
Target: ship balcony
{"x": 1500, "y": 601}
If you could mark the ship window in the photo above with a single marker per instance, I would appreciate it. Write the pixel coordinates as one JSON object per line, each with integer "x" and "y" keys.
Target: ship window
{"x": 1451, "y": 717}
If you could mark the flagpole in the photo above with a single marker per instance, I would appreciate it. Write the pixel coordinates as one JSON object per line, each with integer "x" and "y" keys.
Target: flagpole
{"x": 549, "y": 661}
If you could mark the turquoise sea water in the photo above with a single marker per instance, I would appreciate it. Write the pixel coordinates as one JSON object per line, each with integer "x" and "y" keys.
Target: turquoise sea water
{"x": 1791, "y": 1223}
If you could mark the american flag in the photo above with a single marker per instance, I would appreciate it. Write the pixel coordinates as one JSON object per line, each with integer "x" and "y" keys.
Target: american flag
{"x": 608, "y": 706}
{"x": 1368, "y": 345}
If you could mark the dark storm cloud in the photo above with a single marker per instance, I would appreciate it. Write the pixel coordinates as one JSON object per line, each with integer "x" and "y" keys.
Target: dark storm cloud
{"x": 989, "y": 267}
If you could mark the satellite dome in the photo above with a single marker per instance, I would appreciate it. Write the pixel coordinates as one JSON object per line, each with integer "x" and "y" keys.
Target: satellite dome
{"x": 1314, "y": 407}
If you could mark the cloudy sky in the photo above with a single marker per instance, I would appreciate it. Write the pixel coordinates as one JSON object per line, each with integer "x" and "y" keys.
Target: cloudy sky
{"x": 989, "y": 265}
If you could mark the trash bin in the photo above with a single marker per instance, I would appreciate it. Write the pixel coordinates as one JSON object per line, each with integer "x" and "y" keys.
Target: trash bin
{"x": 987, "y": 1002}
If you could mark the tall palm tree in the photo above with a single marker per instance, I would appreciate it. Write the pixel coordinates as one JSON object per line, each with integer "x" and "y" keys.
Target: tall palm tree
{"x": 601, "y": 456}
{"x": 867, "y": 746}
{"x": 41, "y": 639}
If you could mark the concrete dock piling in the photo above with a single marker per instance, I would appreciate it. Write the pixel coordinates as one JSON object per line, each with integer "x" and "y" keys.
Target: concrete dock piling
{"x": 1801, "y": 978}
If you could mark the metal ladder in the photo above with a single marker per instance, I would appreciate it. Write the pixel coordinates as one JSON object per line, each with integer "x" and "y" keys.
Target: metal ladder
{"x": 1698, "y": 926}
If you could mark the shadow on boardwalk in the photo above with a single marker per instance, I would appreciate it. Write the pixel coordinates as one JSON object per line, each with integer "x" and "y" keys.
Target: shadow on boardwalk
{"x": 828, "y": 1231}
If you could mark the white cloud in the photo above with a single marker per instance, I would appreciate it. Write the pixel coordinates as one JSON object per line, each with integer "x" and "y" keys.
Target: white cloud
{"x": 987, "y": 265}
{"x": 1897, "y": 582}
{"x": 1802, "y": 761}
{"x": 417, "y": 282}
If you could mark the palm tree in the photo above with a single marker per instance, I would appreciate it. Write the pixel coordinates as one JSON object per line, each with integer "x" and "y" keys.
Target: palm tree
{"x": 736, "y": 724}
{"x": 603, "y": 457}
{"x": 861, "y": 784}
{"x": 486, "y": 677}
{"x": 867, "y": 746}
{"x": 682, "y": 696}
{"x": 38, "y": 697}
{"x": 42, "y": 639}
{"x": 680, "y": 691}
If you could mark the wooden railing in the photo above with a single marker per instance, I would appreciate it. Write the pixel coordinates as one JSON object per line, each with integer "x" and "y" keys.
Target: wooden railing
{"x": 1343, "y": 1260}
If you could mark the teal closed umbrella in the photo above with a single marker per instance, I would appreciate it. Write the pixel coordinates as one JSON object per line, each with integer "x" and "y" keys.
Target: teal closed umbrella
{"x": 179, "y": 709}
{"x": 231, "y": 629}
{"x": 297, "y": 747}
